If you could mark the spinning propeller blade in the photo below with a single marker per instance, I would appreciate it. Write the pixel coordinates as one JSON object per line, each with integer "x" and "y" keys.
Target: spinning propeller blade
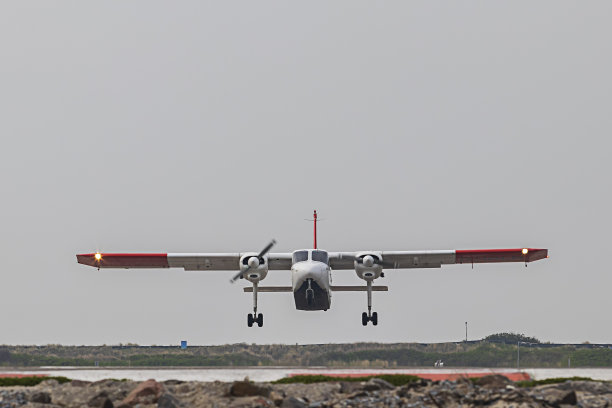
{"x": 267, "y": 248}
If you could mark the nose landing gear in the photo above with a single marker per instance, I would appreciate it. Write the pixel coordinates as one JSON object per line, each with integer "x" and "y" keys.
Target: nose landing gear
{"x": 369, "y": 316}
{"x": 310, "y": 293}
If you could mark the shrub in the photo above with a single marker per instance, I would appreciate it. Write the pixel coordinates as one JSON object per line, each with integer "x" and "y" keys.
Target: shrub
{"x": 395, "y": 379}
{"x": 29, "y": 381}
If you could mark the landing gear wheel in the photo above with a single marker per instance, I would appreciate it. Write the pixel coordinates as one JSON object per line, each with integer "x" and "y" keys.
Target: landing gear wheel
{"x": 364, "y": 319}
{"x": 374, "y": 318}
{"x": 260, "y": 320}
{"x": 250, "y": 320}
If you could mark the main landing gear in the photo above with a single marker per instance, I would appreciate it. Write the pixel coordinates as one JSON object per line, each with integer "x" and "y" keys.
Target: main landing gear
{"x": 252, "y": 319}
{"x": 255, "y": 318}
{"x": 366, "y": 317}
{"x": 369, "y": 316}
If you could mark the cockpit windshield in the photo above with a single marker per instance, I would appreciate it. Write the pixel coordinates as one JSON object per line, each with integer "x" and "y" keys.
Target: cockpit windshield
{"x": 320, "y": 256}
{"x": 300, "y": 256}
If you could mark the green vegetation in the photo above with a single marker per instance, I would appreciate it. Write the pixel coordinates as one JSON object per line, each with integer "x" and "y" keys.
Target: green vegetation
{"x": 510, "y": 338}
{"x": 29, "y": 381}
{"x": 494, "y": 353}
{"x": 533, "y": 383}
{"x": 395, "y": 379}
{"x": 118, "y": 357}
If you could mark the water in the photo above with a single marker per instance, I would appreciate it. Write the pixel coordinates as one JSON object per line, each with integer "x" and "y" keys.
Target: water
{"x": 275, "y": 373}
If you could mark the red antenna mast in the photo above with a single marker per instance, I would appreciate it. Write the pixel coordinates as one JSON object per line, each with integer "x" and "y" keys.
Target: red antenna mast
{"x": 315, "y": 228}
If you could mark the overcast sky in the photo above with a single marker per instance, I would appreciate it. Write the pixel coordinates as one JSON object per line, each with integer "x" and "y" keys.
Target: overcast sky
{"x": 215, "y": 126}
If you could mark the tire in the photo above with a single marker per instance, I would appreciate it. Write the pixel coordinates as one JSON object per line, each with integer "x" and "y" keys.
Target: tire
{"x": 250, "y": 320}
{"x": 364, "y": 319}
{"x": 374, "y": 318}
{"x": 260, "y": 320}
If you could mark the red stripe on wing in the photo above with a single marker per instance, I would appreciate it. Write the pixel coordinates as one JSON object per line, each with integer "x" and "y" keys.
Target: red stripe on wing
{"x": 124, "y": 260}
{"x": 499, "y": 255}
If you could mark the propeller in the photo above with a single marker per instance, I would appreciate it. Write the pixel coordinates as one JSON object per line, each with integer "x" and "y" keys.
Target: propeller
{"x": 253, "y": 261}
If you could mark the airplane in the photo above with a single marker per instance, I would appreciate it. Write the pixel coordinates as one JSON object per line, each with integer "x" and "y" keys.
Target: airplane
{"x": 311, "y": 269}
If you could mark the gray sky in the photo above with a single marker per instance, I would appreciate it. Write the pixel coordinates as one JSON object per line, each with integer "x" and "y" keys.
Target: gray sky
{"x": 187, "y": 127}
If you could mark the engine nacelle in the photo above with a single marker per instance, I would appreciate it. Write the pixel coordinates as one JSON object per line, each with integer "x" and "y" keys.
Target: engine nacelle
{"x": 253, "y": 268}
{"x": 367, "y": 265}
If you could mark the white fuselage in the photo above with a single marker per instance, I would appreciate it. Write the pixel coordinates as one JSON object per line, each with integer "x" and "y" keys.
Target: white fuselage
{"x": 311, "y": 281}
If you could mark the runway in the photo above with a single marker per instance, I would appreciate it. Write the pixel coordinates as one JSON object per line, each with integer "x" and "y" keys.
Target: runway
{"x": 276, "y": 373}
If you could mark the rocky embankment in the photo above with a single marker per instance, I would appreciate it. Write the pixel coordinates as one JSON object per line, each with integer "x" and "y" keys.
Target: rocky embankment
{"x": 491, "y": 391}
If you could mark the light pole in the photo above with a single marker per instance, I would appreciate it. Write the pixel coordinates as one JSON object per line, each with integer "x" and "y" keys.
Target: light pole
{"x": 466, "y": 332}
{"x": 518, "y": 355}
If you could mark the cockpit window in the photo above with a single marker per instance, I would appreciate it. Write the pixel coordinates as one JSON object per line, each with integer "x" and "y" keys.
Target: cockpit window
{"x": 320, "y": 256}
{"x": 300, "y": 256}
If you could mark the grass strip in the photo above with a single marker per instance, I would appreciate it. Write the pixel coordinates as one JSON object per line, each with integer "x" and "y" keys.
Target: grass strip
{"x": 29, "y": 381}
{"x": 395, "y": 379}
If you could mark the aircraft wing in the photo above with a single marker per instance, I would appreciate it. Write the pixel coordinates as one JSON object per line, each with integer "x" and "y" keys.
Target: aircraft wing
{"x": 435, "y": 259}
{"x": 187, "y": 261}
{"x": 337, "y": 260}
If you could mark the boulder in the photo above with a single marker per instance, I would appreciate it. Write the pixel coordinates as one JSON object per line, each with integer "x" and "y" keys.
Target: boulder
{"x": 382, "y": 384}
{"x": 595, "y": 401}
{"x": 463, "y": 386}
{"x": 357, "y": 394}
{"x": 421, "y": 382}
{"x": 41, "y": 397}
{"x": 374, "y": 384}
{"x": 79, "y": 383}
{"x": 276, "y": 397}
{"x": 100, "y": 400}
{"x": 348, "y": 387}
{"x": 516, "y": 395}
{"x": 293, "y": 402}
{"x": 173, "y": 382}
{"x": 147, "y": 392}
{"x": 492, "y": 382}
{"x": 251, "y": 402}
{"x": 591, "y": 387}
{"x": 38, "y": 405}
{"x": 248, "y": 389}
{"x": 556, "y": 397}
{"x": 168, "y": 401}
{"x": 184, "y": 388}
{"x": 49, "y": 383}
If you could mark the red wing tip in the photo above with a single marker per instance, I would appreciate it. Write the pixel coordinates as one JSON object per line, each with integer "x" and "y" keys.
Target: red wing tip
{"x": 499, "y": 250}
{"x": 113, "y": 260}
{"x": 124, "y": 255}
{"x": 500, "y": 255}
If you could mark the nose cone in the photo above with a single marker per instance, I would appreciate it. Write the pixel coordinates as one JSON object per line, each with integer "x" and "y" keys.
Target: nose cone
{"x": 253, "y": 262}
{"x": 368, "y": 261}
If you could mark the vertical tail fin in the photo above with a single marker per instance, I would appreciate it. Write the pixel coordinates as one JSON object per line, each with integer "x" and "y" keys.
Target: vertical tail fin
{"x": 315, "y": 228}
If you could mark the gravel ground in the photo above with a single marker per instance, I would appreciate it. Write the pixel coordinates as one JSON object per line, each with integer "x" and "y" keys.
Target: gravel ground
{"x": 490, "y": 391}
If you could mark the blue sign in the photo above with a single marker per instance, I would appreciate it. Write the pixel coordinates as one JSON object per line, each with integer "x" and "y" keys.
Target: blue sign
{"x": 183, "y": 344}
